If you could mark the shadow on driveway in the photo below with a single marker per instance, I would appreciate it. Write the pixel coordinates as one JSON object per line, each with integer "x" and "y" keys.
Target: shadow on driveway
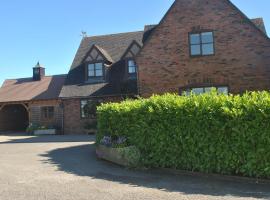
{"x": 81, "y": 161}
{"x": 18, "y": 138}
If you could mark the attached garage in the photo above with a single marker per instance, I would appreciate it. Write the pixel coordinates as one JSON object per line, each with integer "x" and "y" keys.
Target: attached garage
{"x": 13, "y": 117}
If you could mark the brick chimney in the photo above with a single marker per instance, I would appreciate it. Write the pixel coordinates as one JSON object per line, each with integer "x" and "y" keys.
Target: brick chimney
{"x": 38, "y": 72}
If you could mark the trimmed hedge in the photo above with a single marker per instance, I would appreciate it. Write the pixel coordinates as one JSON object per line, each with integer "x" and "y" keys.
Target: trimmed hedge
{"x": 208, "y": 133}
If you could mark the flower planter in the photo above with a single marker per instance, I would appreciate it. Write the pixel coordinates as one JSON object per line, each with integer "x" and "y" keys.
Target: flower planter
{"x": 127, "y": 156}
{"x": 45, "y": 132}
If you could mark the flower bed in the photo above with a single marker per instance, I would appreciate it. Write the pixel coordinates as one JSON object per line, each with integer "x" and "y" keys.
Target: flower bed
{"x": 36, "y": 129}
{"x": 45, "y": 132}
{"x": 117, "y": 152}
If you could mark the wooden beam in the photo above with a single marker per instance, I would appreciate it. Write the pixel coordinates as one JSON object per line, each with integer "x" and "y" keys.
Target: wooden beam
{"x": 25, "y": 106}
{"x": 2, "y": 106}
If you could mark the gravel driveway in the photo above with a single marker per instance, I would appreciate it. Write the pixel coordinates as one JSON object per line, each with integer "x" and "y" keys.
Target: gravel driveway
{"x": 65, "y": 168}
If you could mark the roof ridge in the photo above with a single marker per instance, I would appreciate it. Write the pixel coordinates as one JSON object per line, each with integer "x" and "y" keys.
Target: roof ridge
{"x": 9, "y": 79}
{"x": 256, "y": 18}
{"x": 113, "y": 34}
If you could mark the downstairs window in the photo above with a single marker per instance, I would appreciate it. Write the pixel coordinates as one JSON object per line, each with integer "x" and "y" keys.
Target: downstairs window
{"x": 89, "y": 108}
{"x": 47, "y": 112}
{"x": 202, "y": 90}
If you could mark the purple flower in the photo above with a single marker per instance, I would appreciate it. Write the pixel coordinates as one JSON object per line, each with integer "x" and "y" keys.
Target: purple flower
{"x": 121, "y": 140}
{"x": 107, "y": 141}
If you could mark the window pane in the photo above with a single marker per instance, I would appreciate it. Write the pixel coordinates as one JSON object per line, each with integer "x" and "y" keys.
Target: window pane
{"x": 207, "y": 49}
{"x": 131, "y": 63}
{"x": 131, "y": 67}
{"x": 132, "y": 70}
{"x": 198, "y": 90}
{"x": 207, "y": 37}
{"x": 98, "y": 66}
{"x": 47, "y": 112}
{"x": 223, "y": 90}
{"x": 208, "y": 89}
{"x": 91, "y": 73}
{"x": 50, "y": 112}
{"x": 83, "y": 104}
{"x": 91, "y": 67}
{"x": 195, "y": 50}
{"x": 195, "y": 39}
{"x": 99, "y": 73}
{"x": 187, "y": 92}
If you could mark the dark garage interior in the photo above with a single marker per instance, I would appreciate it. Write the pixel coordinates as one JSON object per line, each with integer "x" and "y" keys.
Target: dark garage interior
{"x": 13, "y": 118}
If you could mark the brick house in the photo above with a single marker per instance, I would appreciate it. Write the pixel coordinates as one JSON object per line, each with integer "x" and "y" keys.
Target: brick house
{"x": 201, "y": 44}
{"x": 198, "y": 45}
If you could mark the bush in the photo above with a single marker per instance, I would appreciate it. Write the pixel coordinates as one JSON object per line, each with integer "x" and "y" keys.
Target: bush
{"x": 207, "y": 133}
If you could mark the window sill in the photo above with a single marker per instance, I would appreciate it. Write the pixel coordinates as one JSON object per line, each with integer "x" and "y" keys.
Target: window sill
{"x": 94, "y": 81}
{"x": 201, "y": 56}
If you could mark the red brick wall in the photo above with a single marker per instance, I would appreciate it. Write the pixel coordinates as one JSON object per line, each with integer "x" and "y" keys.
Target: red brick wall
{"x": 242, "y": 53}
{"x": 73, "y": 123}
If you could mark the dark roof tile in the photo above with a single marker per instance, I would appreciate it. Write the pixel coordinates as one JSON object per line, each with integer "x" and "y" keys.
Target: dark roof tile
{"x": 115, "y": 45}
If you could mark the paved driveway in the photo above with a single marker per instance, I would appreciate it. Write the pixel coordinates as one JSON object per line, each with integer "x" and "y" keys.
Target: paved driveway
{"x": 65, "y": 168}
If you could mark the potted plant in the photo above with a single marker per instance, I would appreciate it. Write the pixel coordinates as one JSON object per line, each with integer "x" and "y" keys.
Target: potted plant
{"x": 36, "y": 129}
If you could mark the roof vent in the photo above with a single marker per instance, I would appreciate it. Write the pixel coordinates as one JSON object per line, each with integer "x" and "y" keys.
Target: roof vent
{"x": 38, "y": 72}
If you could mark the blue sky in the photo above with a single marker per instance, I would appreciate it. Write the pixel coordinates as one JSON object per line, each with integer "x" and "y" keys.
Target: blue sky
{"x": 49, "y": 31}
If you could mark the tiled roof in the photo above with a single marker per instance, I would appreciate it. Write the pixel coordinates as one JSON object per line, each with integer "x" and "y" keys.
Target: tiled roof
{"x": 105, "y": 53}
{"x": 75, "y": 85}
{"x": 99, "y": 90}
{"x": 112, "y": 47}
{"x": 26, "y": 89}
{"x": 115, "y": 45}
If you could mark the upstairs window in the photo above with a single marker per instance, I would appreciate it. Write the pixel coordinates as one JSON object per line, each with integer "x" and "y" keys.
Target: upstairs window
{"x": 47, "y": 112}
{"x": 132, "y": 68}
{"x": 201, "y": 44}
{"x": 95, "y": 70}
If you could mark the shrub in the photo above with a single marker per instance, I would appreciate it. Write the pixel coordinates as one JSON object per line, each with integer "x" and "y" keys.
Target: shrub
{"x": 207, "y": 133}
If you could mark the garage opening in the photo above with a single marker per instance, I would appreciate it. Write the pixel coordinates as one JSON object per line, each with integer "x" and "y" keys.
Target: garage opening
{"x": 13, "y": 118}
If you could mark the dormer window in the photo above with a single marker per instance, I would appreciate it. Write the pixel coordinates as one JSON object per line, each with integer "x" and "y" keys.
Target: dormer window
{"x": 201, "y": 44}
{"x": 132, "y": 68}
{"x": 95, "y": 70}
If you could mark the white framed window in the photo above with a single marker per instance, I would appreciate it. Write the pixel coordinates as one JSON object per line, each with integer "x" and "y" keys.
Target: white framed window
{"x": 95, "y": 70}
{"x": 132, "y": 67}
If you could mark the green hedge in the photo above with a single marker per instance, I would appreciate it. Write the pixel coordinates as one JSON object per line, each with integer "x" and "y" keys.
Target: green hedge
{"x": 207, "y": 133}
